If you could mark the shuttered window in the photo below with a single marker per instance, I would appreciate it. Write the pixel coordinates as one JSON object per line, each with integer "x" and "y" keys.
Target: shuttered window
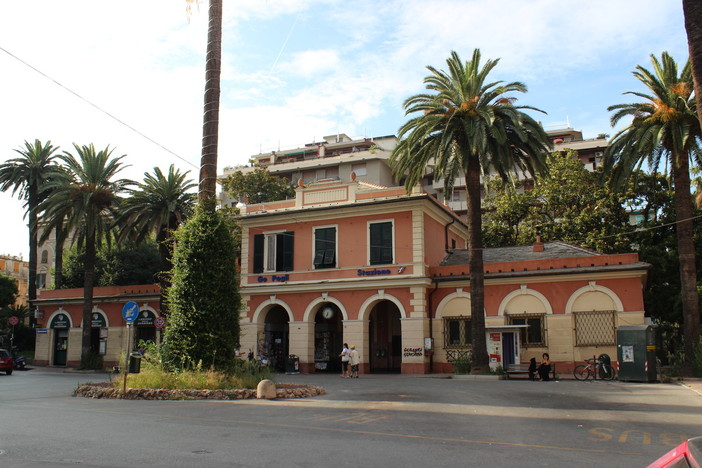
{"x": 380, "y": 236}
{"x": 325, "y": 247}
{"x": 273, "y": 252}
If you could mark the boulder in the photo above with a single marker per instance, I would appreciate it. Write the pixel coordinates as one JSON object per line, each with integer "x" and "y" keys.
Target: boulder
{"x": 266, "y": 390}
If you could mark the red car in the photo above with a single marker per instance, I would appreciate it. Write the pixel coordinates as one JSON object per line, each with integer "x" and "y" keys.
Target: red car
{"x": 686, "y": 455}
{"x": 6, "y": 361}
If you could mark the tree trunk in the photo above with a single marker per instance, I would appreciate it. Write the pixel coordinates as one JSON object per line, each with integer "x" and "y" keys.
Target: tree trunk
{"x": 686, "y": 253}
{"x": 88, "y": 286}
{"x": 479, "y": 360}
{"x": 32, "y": 202}
{"x": 210, "y": 125}
{"x": 692, "y": 10}
{"x": 58, "y": 259}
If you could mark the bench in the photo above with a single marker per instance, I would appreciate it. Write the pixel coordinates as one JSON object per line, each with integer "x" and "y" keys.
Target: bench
{"x": 523, "y": 369}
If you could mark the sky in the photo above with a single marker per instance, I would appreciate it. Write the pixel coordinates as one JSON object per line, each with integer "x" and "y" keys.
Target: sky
{"x": 294, "y": 71}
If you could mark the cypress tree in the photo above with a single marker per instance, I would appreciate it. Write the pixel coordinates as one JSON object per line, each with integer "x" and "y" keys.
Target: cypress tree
{"x": 203, "y": 300}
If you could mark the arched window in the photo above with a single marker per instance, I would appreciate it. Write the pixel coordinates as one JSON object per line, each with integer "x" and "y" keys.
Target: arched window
{"x": 45, "y": 256}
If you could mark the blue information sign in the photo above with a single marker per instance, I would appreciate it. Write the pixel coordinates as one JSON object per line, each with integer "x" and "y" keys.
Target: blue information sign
{"x": 130, "y": 311}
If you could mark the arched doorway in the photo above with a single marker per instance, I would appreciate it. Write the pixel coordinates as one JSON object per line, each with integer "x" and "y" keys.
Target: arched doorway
{"x": 60, "y": 325}
{"x": 145, "y": 330}
{"x": 98, "y": 334}
{"x": 385, "y": 334}
{"x": 328, "y": 336}
{"x": 275, "y": 337}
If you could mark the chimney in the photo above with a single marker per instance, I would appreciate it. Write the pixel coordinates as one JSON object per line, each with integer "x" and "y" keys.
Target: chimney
{"x": 538, "y": 245}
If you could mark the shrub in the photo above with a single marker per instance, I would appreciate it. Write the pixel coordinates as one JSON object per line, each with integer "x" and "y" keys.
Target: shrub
{"x": 696, "y": 360}
{"x": 462, "y": 365}
{"x": 203, "y": 300}
{"x": 239, "y": 374}
{"x": 93, "y": 361}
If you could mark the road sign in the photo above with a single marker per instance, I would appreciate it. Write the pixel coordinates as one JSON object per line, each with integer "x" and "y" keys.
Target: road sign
{"x": 159, "y": 322}
{"x": 130, "y": 311}
{"x": 13, "y": 320}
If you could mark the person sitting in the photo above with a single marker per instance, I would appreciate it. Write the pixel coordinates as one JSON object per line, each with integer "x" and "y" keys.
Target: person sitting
{"x": 545, "y": 368}
{"x": 532, "y": 369}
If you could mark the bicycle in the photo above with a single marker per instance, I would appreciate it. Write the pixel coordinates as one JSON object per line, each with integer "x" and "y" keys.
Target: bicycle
{"x": 594, "y": 367}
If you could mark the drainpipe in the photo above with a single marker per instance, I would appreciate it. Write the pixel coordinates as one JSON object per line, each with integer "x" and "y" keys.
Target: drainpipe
{"x": 431, "y": 324}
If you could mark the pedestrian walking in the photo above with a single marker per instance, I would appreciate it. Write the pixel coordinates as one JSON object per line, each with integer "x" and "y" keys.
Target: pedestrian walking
{"x": 354, "y": 361}
{"x": 345, "y": 361}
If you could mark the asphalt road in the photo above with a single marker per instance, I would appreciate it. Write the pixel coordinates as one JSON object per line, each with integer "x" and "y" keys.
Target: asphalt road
{"x": 389, "y": 421}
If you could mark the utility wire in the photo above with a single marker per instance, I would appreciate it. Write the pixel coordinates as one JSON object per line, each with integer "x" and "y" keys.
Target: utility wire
{"x": 98, "y": 108}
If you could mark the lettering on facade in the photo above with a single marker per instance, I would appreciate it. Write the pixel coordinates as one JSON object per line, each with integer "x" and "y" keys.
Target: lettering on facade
{"x": 373, "y": 272}
{"x": 412, "y": 352}
{"x": 274, "y": 278}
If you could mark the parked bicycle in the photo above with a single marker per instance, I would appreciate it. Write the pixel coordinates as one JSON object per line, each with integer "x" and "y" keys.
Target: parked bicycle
{"x": 600, "y": 367}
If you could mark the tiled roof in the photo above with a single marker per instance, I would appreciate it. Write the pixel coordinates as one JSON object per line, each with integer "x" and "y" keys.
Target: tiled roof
{"x": 552, "y": 250}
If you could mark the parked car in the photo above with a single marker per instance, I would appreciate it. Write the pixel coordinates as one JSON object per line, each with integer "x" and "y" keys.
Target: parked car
{"x": 6, "y": 361}
{"x": 686, "y": 455}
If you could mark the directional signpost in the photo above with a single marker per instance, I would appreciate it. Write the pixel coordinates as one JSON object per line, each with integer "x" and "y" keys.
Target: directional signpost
{"x": 130, "y": 312}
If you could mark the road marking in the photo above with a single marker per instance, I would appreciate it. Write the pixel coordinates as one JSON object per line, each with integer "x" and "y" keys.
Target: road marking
{"x": 360, "y": 418}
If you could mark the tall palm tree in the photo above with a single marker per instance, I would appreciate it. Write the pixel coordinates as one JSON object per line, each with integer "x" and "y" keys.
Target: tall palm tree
{"x": 28, "y": 176}
{"x": 210, "y": 127}
{"x": 468, "y": 126}
{"x": 692, "y": 10}
{"x": 664, "y": 129}
{"x": 86, "y": 204}
{"x": 158, "y": 206}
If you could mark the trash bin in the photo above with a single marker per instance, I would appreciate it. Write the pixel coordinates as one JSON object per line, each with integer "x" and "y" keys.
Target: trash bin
{"x": 636, "y": 353}
{"x": 605, "y": 370}
{"x": 134, "y": 363}
{"x": 292, "y": 365}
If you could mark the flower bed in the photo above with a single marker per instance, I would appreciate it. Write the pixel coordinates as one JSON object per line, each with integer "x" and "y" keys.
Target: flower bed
{"x": 108, "y": 390}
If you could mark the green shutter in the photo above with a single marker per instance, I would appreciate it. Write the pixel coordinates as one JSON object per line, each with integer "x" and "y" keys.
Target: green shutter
{"x": 284, "y": 255}
{"x": 258, "y": 253}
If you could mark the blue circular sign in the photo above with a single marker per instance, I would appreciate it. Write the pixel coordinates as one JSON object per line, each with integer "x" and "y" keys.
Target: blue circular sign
{"x": 130, "y": 311}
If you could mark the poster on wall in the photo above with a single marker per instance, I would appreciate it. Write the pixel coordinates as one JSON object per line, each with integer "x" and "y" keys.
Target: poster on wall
{"x": 628, "y": 353}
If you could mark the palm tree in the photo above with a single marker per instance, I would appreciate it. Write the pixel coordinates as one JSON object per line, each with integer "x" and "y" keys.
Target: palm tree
{"x": 158, "y": 206}
{"x": 468, "y": 126}
{"x": 86, "y": 204}
{"x": 29, "y": 175}
{"x": 210, "y": 127}
{"x": 664, "y": 128}
{"x": 692, "y": 10}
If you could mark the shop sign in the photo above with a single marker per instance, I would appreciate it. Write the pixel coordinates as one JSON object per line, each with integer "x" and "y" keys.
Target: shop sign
{"x": 60, "y": 321}
{"x": 98, "y": 321}
{"x": 145, "y": 319}
{"x": 495, "y": 336}
{"x": 373, "y": 272}
{"x": 42, "y": 331}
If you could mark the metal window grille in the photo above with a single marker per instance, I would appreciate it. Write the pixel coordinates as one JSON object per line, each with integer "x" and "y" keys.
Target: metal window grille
{"x": 535, "y": 335}
{"x": 457, "y": 338}
{"x": 595, "y": 328}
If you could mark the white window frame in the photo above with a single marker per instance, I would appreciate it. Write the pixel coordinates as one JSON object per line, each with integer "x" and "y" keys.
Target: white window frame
{"x": 270, "y": 239}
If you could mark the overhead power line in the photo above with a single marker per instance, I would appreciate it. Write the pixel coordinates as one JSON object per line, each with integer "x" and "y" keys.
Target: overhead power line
{"x": 113, "y": 117}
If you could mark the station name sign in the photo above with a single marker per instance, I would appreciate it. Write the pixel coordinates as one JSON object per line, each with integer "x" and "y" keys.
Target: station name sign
{"x": 373, "y": 272}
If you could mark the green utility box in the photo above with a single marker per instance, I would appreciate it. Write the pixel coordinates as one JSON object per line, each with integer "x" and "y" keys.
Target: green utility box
{"x": 636, "y": 353}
